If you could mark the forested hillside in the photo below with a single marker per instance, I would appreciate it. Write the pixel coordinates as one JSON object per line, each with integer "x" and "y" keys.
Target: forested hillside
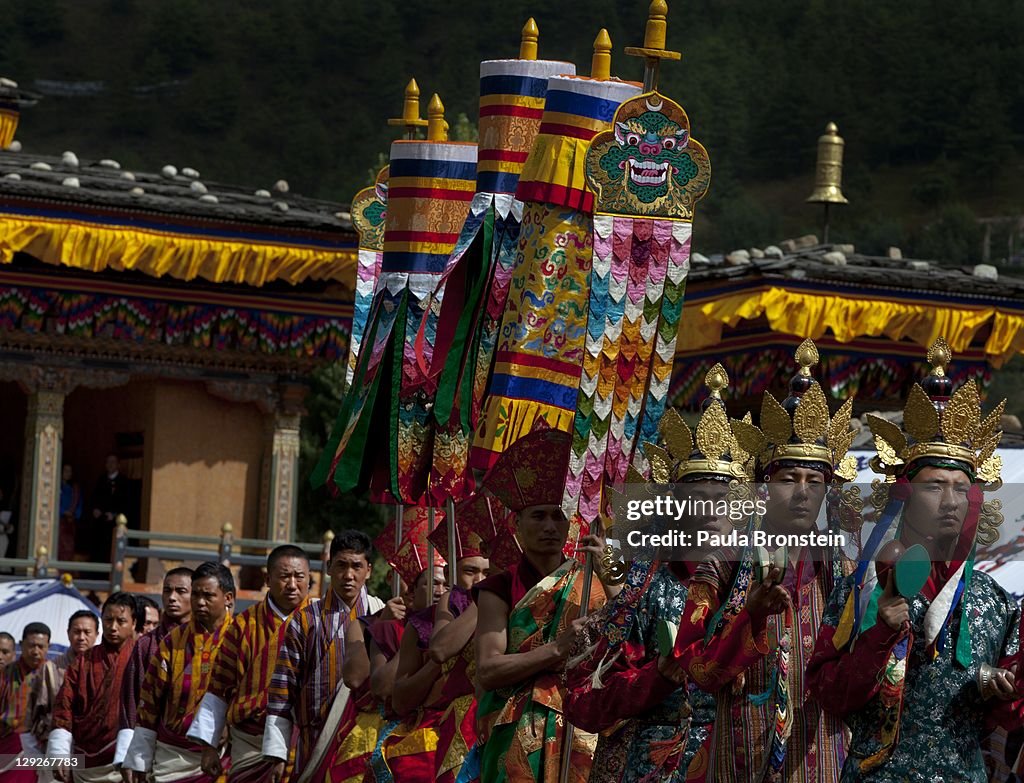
{"x": 927, "y": 94}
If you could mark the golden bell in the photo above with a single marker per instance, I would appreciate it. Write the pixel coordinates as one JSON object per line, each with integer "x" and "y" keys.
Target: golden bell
{"x": 828, "y": 174}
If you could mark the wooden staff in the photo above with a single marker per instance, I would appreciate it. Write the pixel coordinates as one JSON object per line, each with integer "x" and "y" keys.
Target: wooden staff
{"x": 396, "y": 579}
{"x": 452, "y": 551}
{"x": 570, "y": 730}
{"x": 430, "y": 555}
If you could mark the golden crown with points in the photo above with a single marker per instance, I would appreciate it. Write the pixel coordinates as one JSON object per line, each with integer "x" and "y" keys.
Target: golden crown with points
{"x": 713, "y": 449}
{"x": 799, "y": 428}
{"x": 940, "y": 423}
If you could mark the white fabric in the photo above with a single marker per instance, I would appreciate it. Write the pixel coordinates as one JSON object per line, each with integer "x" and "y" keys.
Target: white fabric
{"x": 170, "y": 763}
{"x": 277, "y": 737}
{"x": 246, "y": 750}
{"x": 108, "y": 773}
{"x": 59, "y": 743}
{"x": 536, "y": 69}
{"x": 208, "y": 723}
{"x": 124, "y": 739}
{"x": 142, "y": 750}
{"x": 937, "y": 611}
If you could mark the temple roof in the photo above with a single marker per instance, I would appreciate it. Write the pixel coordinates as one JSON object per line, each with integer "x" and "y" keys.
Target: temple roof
{"x": 841, "y": 264}
{"x": 172, "y": 192}
{"x": 96, "y": 216}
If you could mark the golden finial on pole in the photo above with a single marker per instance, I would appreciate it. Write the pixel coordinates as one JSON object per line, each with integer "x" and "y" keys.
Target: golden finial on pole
{"x": 410, "y": 118}
{"x": 653, "y": 51}
{"x": 601, "y": 63}
{"x": 437, "y": 128}
{"x": 657, "y": 25}
{"x": 828, "y": 173}
{"x": 528, "y": 44}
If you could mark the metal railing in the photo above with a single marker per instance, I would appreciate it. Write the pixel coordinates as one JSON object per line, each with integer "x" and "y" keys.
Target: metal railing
{"x": 165, "y": 547}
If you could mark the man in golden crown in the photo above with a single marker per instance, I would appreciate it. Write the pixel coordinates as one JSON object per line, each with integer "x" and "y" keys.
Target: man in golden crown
{"x": 621, "y": 677}
{"x": 752, "y": 614}
{"x": 918, "y": 650}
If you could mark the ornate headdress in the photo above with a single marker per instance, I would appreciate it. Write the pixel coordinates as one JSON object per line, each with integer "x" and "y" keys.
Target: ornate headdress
{"x": 799, "y": 429}
{"x": 713, "y": 452}
{"x": 939, "y": 423}
{"x": 532, "y": 471}
{"x": 474, "y": 521}
{"x": 411, "y": 558}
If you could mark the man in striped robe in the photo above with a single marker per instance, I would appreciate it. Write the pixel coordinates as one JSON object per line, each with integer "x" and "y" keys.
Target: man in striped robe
{"x": 86, "y": 707}
{"x": 177, "y": 600}
{"x": 237, "y": 698}
{"x": 306, "y": 689}
{"x": 16, "y": 682}
{"x": 176, "y": 680}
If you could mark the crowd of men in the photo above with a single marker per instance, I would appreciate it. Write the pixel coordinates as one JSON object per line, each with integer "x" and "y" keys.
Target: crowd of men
{"x": 735, "y": 666}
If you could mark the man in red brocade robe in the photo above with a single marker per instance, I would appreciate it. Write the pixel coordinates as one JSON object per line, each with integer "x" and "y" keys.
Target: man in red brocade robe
{"x": 528, "y": 620}
{"x": 85, "y": 714}
{"x": 421, "y": 692}
{"x": 237, "y": 698}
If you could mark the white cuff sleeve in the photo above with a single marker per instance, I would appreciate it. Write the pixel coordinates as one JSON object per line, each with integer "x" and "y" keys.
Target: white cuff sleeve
{"x": 208, "y": 723}
{"x": 124, "y": 739}
{"x": 59, "y": 743}
{"x": 140, "y": 753}
{"x": 277, "y": 737}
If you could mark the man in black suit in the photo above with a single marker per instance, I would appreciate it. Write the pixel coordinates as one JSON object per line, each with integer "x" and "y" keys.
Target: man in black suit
{"x": 113, "y": 495}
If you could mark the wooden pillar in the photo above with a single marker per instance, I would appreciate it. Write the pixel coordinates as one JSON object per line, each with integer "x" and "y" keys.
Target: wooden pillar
{"x": 283, "y": 474}
{"x": 40, "y": 503}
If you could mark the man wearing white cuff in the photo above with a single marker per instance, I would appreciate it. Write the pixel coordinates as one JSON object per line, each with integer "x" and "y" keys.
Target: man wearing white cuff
{"x": 176, "y": 681}
{"x": 237, "y": 697}
{"x": 307, "y": 675}
{"x": 85, "y": 710}
{"x": 177, "y": 601}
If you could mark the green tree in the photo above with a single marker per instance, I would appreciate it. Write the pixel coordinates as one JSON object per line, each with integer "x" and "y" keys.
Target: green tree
{"x": 954, "y": 238}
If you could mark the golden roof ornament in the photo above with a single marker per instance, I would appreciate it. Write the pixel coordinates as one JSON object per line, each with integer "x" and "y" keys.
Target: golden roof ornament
{"x": 799, "y": 428}
{"x": 410, "y": 118}
{"x": 601, "y": 62}
{"x": 653, "y": 51}
{"x": 528, "y": 43}
{"x": 828, "y": 173}
{"x": 940, "y": 423}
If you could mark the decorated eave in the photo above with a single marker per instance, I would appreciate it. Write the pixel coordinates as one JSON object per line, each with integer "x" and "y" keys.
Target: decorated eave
{"x": 168, "y": 272}
{"x": 871, "y": 317}
{"x": 97, "y": 216}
